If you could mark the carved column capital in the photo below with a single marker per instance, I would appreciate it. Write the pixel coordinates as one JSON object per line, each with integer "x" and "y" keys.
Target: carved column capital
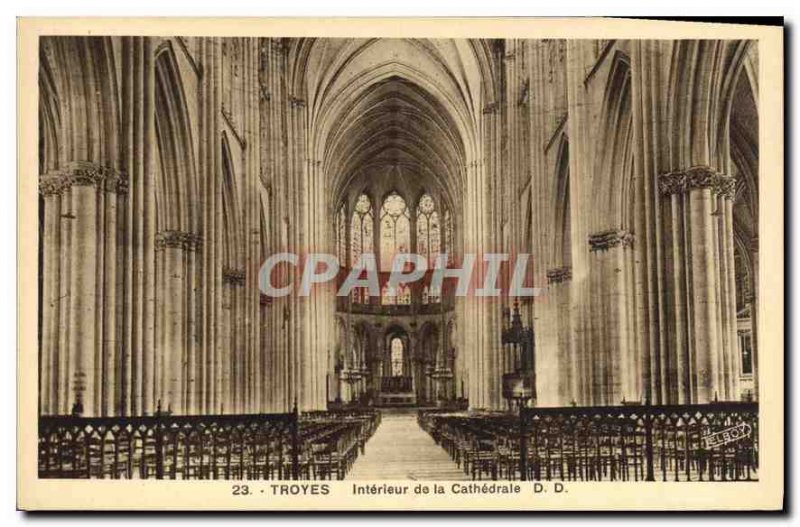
{"x": 699, "y": 177}
{"x": 558, "y": 275}
{"x": 52, "y": 184}
{"x": 186, "y": 241}
{"x": 671, "y": 183}
{"x": 605, "y": 240}
{"x": 87, "y": 173}
{"x": 726, "y": 186}
{"x": 84, "y": 173}
{"x": 232, "y": 276}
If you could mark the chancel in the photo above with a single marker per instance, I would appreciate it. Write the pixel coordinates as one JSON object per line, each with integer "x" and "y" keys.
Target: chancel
{"x": 171, "y": 169}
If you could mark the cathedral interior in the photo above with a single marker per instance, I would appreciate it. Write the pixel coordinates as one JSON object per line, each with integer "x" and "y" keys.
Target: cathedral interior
{"x": 171, "y": 168}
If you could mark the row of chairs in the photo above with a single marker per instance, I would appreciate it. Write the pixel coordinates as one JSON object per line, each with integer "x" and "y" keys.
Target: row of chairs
{"x": 255, "y": 447}
{"x": 331, "y": 443}
{"x": 589, "y": 447}
{"x": 168, "y": 453}
{"x": 483, "y": 445}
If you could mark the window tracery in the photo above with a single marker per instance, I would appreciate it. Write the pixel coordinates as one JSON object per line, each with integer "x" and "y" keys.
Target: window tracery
{"x": 395, "y": 229}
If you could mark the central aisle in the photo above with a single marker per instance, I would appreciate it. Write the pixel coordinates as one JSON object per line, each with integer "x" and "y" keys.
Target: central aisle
{"x": 400, "y": 449}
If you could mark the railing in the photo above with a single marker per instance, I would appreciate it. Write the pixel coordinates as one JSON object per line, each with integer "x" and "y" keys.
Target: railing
{"x": 250, "y": 446}
{"x": 343, "y": 305}
{"x": 712, "y": 442}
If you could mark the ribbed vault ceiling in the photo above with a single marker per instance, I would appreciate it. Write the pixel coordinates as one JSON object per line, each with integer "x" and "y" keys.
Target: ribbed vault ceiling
{"x": 395, "y": 123}
{"x": 381, "y": 107}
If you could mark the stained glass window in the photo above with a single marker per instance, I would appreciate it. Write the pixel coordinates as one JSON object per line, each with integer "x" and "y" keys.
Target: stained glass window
{"x": 428, "y": 230}
{"x": 434, "y": 295}
{"x": 341, "y": 236}
{"x": 395, "y": 229}
{"x": 396, "y": 347}
{"x": 448, "y": 235}
{"x": 388, "y": 296}
{"x": 399, "y": 295}
{"x": 361, "y": 239}
{"x": 360, "y": 295}
{"x": 403, "y": 294}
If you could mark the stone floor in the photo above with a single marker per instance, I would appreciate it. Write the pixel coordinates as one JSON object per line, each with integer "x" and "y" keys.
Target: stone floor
{"x": 400, "y": 449}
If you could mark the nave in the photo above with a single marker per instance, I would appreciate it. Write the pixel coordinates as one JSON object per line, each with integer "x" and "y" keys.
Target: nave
{"x": 400, "y": 449}
{"x": 172, "y": 168}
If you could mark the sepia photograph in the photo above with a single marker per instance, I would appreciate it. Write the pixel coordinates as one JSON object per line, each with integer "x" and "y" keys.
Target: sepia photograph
{"x": 441, "y": 267}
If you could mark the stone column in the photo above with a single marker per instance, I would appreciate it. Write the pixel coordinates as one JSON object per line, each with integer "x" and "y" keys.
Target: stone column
{"x": 704, "y": 287}
{"x": 565, "y": 390}
{"x": 78, "y": 370}
{"x": 726, "y": 188}
{"x": 610, "y": 313}
{"x": 674, "y": 212}
{"x": 189, "y": 394}
{"x": 175, "y": 247}
{"x": 116, "y": 187}
{"x": 83, "y": 283}
{"x": 51, "y": 391}
{"x": 232, "y": 360}
{"x": 86, "y": 354}
{"x": 148, "y": 226}
{"x": 702, "y": 259}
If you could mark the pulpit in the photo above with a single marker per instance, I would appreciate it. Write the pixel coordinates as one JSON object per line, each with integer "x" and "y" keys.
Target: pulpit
{"x": 519, "y": 381}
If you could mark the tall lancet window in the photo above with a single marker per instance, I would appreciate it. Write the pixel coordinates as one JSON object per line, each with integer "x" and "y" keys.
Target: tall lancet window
{"x": 361, "y": 239}
{"x": 431, "y": 295}
{"x": 396, "y": 348}
{"x": 388, "y": 295}
{"x": 403, "y": 294}
{"x": 434, "y": 295}
{"x": 341, "y": 236}
{"x": 428, "y": 230}
{"x": 448, "y": 235}
{"x": 395, "y": 229}
{"x": 399, "y": 295}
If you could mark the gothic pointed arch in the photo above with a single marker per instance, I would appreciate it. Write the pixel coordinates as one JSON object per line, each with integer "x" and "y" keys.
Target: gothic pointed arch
{"x": 702, "y": 80}
{"x": 429, "y": 229}
{"x": 611, "y": 181}
{"x": 81, "y": 70}
{"x": 563, "y": 209}
{"x": 230, "y": 208}
{"x": 50, "y": 154}
{"x": 177, "y": 179}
